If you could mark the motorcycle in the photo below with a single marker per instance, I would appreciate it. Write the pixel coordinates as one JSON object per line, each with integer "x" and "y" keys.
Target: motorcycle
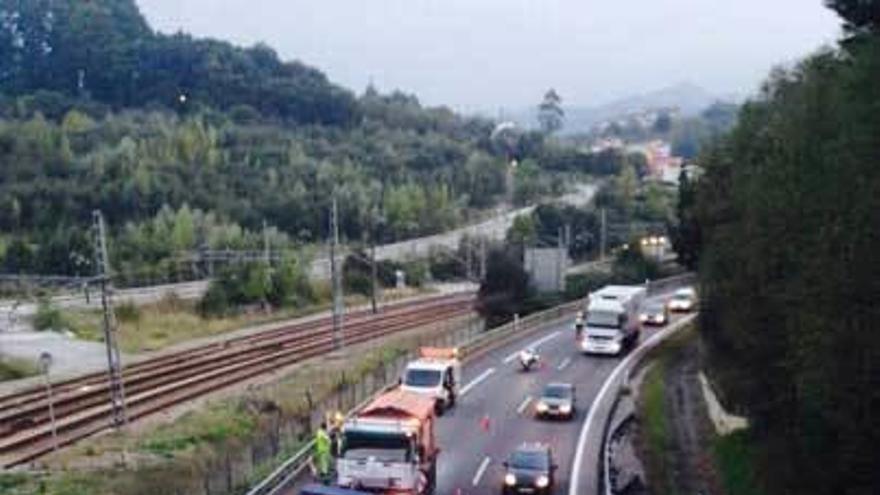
{"x": 528, "y": 358}
{"x": 579, "y": 327}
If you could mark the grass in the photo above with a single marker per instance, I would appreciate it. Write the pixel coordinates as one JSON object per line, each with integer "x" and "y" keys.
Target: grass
{"x": 656, "y": 440}
{"x": 173, "y": 320}
{"x": 224, "y": 421}
{"x": 15, "y": 368}
{"x": 656, "y": 426}
{"x": 735, "y": 456}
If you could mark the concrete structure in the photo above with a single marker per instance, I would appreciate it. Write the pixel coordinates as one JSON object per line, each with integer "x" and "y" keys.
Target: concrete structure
{"x": 546, "y": 267}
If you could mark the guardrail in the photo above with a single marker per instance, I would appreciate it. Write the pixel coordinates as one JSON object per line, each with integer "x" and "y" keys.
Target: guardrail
{"x": 472, "y": 346}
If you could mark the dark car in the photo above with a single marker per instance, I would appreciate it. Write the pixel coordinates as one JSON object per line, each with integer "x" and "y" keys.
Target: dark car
{"x": 655, "y": 313}
{"x": 556, "y": 401}
{"x": 529, "y": 469}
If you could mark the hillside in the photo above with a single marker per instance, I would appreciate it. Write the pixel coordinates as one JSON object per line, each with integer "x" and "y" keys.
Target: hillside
{"x": 189, "y": 144}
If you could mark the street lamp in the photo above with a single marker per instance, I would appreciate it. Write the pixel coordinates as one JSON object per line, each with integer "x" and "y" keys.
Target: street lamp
{"x": 45, "y": 364}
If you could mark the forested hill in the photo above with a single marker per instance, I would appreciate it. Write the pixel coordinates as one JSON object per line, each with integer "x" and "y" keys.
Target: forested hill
{"x": 189, "y": 143}
{"x": 104, "y": 50}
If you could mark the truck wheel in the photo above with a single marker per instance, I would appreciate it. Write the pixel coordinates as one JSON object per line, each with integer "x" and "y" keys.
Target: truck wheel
{"x": 432, "y": 479}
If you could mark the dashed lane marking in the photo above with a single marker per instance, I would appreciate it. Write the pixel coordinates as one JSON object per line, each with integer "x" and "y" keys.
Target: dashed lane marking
{"x": 476, "y": 381}
{"x": 481, "y": 470}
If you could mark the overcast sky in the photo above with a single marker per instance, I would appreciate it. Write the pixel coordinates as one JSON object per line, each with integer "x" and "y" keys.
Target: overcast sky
{"x": 487, "y": 54}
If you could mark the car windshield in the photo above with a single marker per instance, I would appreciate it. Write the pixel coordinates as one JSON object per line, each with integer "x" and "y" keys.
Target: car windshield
{"x": 654, "y": 308}
{"x": 422, "y": 378}
{"x": 603, "y": 319}
{"x": 388, "y": 447}
{"x": 682, "y": 296}
{"x": 557, "y": 392}
{"x": 529, "y": 459}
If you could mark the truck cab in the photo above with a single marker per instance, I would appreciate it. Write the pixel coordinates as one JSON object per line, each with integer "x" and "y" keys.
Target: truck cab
{"x": 388, "y": 447}
{"x": 436, "y": 374}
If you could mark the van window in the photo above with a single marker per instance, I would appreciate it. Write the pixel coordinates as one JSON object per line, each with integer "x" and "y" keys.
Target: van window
{"x": 422, "y": 378}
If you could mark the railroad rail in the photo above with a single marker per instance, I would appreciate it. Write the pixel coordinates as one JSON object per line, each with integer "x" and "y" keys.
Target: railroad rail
{"x": 81, "y": 404}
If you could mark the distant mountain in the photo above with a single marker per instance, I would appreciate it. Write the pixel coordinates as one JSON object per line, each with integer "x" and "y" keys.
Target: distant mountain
{"x": 688, "y": 98}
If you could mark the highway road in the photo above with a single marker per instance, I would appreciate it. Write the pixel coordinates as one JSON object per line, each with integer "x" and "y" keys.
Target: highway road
{"x": 496, "y": 389}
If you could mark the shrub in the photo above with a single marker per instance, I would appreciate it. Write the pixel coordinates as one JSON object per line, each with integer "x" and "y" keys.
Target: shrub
{"x": 48, "y": 317}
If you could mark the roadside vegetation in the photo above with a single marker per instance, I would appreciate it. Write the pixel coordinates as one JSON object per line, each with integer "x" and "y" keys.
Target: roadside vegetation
{"x": 173, "y": 320}
{"x": 782, "y": 225}
{"x": 681, "y": 450}
{"x": 14, "y": 368}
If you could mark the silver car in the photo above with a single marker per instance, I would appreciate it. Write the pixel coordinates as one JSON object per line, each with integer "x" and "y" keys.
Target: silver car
{"x": 557, "y": 401}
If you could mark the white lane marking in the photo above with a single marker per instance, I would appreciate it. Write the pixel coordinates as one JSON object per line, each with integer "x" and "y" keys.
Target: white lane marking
{"x": 563, "y": 364}
{"x": 481, "y": 470}
{"x": 525, "y": 403}
{"x": 588, "y": 422}
{"x": 476, "y": 381}
{"x": 533, "y": 345}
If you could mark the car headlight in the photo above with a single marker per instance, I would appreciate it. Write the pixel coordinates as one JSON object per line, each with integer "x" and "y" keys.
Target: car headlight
{"x": 643, "y": 318}
{"x": 541, "y": 407}
{"x": 510, "y": 479}
{"x": 565, "y": 408}
{"x": 542, "y": 481}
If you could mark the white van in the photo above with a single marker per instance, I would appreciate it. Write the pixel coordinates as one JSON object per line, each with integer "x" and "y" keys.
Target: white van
{"x": 437, "y": 373}
{"x": 612, "y": 319}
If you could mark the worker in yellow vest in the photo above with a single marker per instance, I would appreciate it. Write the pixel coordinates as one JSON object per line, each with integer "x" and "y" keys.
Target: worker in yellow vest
{"x": 323, "y": 455}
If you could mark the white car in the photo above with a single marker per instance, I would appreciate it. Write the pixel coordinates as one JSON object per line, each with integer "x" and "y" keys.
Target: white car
{"x": 683, "y": 300}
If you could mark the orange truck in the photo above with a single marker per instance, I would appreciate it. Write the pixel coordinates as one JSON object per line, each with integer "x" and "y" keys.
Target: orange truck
{"x": 389, "y": 446}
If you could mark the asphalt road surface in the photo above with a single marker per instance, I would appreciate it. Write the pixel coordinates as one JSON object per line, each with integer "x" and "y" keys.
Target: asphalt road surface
{"x": 495, "y": 414}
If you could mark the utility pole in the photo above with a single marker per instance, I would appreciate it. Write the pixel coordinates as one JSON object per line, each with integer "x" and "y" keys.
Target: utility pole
{"x": 373, "y": 270}
{"x": 567, "y": 237}
{"x": 338, "y": 338}
{"x": 266, "y": 252}
{"x": 560, "y": 247}
{"x": 45, "y": 364}
{"x": 468, "y": 257}
{"x": 603, "y": 235}
{"x": 114, "y": 362}
{"x": 482, "y": 258}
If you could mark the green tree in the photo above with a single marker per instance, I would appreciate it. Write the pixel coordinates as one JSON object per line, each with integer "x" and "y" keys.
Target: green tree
{"x": 788, "y": 263}
{"x": 522, "y": 231}
{"x": 550, "y": 114}
{"x": 861, "y": 17}
{"x": 505, "y": 290}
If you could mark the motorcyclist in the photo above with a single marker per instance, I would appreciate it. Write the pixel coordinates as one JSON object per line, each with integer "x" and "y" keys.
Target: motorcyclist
{"x": 579, "y": 325}
{"x": 528, "y": 357}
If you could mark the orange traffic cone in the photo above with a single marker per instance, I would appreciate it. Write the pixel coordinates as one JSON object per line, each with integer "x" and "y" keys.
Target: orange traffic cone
{"x": 485, "y": 423}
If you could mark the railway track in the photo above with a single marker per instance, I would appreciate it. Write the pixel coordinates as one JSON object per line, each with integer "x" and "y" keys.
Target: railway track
{"x": 82, "y": 405}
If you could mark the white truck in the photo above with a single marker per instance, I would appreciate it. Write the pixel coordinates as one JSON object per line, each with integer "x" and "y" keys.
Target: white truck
{"x": 612, "y": 319}
{"x": 437, "y": 374}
